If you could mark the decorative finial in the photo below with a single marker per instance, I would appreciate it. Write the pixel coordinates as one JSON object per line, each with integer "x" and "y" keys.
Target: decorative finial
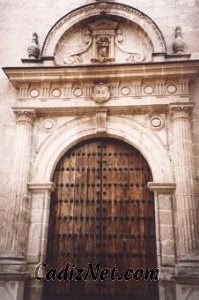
{"x": 178, "y": 44}
{"x": 33, "y": 49}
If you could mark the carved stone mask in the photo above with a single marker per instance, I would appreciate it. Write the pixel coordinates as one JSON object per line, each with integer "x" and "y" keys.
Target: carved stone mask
{"x": 101, "y": 92}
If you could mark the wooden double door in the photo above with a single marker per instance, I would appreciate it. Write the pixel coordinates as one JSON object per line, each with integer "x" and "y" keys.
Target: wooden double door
{"x": 102, "y": 212}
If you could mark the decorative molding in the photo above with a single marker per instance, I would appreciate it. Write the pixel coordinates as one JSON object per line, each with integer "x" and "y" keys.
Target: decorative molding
{"x": 111, "y": 8}
{"x": 133, "y": 56}
{"x": 162, "y": 188}
{"x": 172, "y": 88}
{"x": 104, "y": 36}
{"x": 157, "y": 122}
{"x": 125, "y": 88}
{"x": 49, "y": 186}
{"x": 178, "y": 72}
{"x": 75, "y": 56}
{"x": 48, "y": 125}
{"x": 101, "y": 119}
{"x": 24, "y": 90}
{"x": 24, "y": 115}
{"x": 181, "y": 110}
{"x": 34, "y": 93}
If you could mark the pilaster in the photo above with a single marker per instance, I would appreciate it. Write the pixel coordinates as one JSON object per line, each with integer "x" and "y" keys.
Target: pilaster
{"x": 165, "y": 237}
{"x": 14, "y": 241}
{"x": 187, "y": 212}
{"x": 13, "y": 271}
{"x": 38, "y": 234}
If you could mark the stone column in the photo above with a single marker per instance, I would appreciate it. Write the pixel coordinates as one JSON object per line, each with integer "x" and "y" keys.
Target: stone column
{"x": 38, "y": 235}
{"x": 187, "y": 210}
{"x": 14, "y": 239}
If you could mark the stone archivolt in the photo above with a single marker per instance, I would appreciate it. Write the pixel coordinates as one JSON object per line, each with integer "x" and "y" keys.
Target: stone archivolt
{"x": 105, "y": 10}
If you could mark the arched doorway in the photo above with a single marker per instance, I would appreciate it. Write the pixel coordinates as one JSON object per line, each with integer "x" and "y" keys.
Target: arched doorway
{"x": 102, "y": 212}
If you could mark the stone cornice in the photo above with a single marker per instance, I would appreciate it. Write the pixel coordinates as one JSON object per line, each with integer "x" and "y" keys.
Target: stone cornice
{"x": 162, "y": 188}
{"x": 150, "y": 71}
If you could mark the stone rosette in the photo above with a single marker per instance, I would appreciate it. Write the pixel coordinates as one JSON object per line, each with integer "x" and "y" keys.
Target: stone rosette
{"x": 157, "y": 122}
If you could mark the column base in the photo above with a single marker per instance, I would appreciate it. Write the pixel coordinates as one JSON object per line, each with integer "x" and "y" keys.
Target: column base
{"x": 187, "y": 266}
{"x": 13, "y": 274}
{"x": 187, "y": 279}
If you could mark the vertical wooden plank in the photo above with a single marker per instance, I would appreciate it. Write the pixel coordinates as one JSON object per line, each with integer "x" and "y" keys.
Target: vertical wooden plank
{"x": 103, "y": 212}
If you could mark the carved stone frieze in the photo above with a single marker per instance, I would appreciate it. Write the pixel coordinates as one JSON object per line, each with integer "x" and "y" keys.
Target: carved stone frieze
{"x": 101, "y": 91}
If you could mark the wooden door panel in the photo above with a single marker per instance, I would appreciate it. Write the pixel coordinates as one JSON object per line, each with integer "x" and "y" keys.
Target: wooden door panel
{"x": 102, "y": 211}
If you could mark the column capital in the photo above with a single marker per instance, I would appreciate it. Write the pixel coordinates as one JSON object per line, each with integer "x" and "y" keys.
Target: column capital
{"x": 181, "y": 110}
{"x": 162, "y": 188}
{"x": 24, "y": 114}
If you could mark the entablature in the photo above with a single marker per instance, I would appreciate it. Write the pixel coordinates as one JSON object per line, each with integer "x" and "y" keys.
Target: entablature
{"x": 119, "y": 86}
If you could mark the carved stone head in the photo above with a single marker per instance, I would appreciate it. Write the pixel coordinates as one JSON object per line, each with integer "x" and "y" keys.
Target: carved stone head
{"x": 101, "y": 92}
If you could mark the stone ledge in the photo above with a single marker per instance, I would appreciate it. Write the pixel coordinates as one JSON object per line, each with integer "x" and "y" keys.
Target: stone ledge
{"x": 187, "y": 279}
{"x": 162, "y": 188}
{"x": 37, "y": 60}
{"x": 13, "y": 268}
{"x": 50, "y": 186}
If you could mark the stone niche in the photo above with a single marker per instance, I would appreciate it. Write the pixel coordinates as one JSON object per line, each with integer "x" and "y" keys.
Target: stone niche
{"x": 103, "y": 40}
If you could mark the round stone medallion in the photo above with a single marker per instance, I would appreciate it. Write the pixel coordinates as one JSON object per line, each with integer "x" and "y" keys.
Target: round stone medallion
{"x": 148, "y": 89}
{"x": 125, "y": 91}
{"x": 156, "y": 123}
{"x": 78, "y": 92}
{"x": 34, "y": 93}
{"x": 56, "y": 93}
{"x": 48, "y": 124}
{"x": 171, "y": 89}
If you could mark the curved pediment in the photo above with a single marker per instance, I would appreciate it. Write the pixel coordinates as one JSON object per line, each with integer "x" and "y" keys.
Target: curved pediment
{"x": 104, "y": 33}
